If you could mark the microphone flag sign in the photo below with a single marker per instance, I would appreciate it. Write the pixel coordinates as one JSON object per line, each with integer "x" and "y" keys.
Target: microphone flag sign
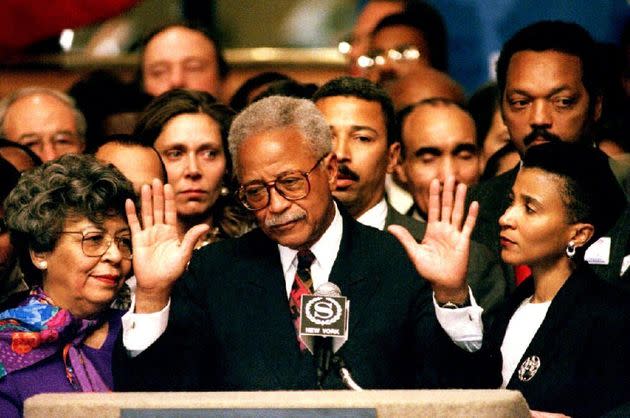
{"x": 324, "y": 316}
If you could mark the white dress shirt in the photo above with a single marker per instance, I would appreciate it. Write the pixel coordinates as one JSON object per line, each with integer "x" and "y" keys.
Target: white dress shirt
{"x": 375, "y": 216}
{"x": 463, "y": 325}
{"x": 325, "y": 251}
{"x": 519, "y": 334}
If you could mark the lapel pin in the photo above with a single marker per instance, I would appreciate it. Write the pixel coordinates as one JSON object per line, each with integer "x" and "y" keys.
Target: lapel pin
{"x": 528, "y": 368}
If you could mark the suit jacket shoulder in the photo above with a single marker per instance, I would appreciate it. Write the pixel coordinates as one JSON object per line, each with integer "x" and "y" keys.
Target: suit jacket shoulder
{"x": 415, "y": 227}
{"x": 580, "y": 350}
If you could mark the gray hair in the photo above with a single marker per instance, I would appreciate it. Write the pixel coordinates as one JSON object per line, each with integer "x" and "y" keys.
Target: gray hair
{"x": 7, "y": 101}
{"x": 276, "y": 112}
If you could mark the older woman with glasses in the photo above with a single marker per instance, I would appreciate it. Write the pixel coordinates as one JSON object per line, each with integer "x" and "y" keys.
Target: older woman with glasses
{"x": 67, "y": 221}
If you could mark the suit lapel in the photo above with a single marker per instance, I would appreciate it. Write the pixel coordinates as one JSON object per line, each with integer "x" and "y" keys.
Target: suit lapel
{"x": 351, "y": 271}
{"x": 264, "y": 277}
{"x": 562, "y": 306}
{"x": 416, "y": 228}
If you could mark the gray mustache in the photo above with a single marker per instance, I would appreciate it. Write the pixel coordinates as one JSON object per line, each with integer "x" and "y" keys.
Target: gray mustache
{"x": 283, "y": 218}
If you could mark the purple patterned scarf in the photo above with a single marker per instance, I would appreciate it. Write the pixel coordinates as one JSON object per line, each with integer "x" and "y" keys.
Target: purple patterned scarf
{"x": 37, "y": 330}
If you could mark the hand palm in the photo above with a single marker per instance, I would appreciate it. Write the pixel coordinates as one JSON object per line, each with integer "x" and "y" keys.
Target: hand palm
{"x": 159, "y": 257}
{"x": 442, "y": 257}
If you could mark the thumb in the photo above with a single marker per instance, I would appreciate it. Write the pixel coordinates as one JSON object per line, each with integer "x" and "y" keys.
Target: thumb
{"x": 192, "y": 236}
{"x": 408, "y": 242}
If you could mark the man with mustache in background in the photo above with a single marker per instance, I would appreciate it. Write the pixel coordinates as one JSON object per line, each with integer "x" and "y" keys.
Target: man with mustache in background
{"x": 549, "y": 91}
{"x": 364, "y": 138}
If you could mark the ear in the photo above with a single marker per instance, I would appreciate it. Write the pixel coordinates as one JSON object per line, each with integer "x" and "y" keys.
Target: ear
{"x": 393, "y": 155}
{"x": 39, "y": 259}
{"x": 399, "y": 171}
{"x": 331, "y": 166}
{"x": 582, "y": 234}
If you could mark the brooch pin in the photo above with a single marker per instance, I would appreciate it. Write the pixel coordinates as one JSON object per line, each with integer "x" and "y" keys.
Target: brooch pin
{"x": 528, "y": 368}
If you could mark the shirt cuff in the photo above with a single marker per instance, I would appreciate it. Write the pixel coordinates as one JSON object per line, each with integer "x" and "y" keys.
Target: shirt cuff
{"x": 142, "y": 330}
{"x": 463, "y": 325}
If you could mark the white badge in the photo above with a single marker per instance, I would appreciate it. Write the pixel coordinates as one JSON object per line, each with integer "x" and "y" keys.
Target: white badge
{"x": 598, "y": 252}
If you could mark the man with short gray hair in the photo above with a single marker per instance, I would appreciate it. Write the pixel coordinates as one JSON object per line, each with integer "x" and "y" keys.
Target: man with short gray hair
{"x": 234, "y": 313}
{"x": 43, "y": 119}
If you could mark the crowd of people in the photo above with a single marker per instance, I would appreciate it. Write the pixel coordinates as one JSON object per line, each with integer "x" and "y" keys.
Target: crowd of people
{"x": 162, "y": 245}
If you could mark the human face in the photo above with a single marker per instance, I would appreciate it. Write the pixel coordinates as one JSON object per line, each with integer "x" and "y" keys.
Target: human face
{"x": 180, "y": 58}
{"x": 44, "y": 124}
{"x": 439, "y": 142}
{"x": 360, "y": 143}
{"x": 84, "y": 285}
{"x": 534, "y": 228}
{"x": 191, "y": 148}
{"x": 496, "y": 138}
{"x": 7, "y": 260}
{"x": 292, "y": 223}
{"x": 371, "y": 14}
{"x": 139, "y": 164}
{"x": 397, "y": 37}
{"x": 423, "y": 83}
{"x": 545, "y": 99}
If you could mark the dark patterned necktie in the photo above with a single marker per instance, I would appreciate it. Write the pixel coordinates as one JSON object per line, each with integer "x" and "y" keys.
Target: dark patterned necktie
{"x": 302, "y": 285}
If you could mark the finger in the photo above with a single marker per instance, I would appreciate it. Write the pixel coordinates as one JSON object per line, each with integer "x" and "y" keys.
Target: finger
{"x": 471, "y": 219}
{"x": 447, "y": 199}
{"x": 158, "y": 202}
{"x": 132, "y": 217}
{"x": 408, "y": 242}
{"x": 146, "y": 206}
{"x": 191, "y": 238}
{"x": 458, "y": 207}
{"x": 170, "y": 211}
{"x": 433, "y": 214}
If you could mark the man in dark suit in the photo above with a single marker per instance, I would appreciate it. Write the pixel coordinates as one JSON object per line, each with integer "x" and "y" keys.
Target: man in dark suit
{"x": 230, "y": 324}
{"x": 364, "y": 139}
{"x": 549, "y": 91}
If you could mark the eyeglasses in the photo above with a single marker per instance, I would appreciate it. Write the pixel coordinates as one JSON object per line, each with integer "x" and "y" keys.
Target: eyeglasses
{"x": 292, "y": 185}
{"x": 380, "y": 57}
{"x": 96, "y": 243}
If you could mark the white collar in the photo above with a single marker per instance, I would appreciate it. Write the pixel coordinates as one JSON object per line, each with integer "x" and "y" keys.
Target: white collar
{"x": 325, "y": 249}
{"x": 375, "y": 216}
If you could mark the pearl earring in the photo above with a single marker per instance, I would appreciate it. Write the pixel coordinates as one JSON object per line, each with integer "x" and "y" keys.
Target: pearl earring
{"x": 43, "y": 265}
{"x": 571, "y": 249}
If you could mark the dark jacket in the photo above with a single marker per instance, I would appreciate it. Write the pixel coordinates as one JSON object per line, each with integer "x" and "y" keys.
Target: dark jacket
{"x": 582, "y": 345}
{"x": 230, "y": 327}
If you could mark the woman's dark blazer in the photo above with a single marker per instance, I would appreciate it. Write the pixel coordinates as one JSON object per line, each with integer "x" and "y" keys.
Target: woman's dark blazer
{"x": 583, "y": 345}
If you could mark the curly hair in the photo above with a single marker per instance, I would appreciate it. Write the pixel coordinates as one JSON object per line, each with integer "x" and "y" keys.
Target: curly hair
{"x": 45, "y": 197}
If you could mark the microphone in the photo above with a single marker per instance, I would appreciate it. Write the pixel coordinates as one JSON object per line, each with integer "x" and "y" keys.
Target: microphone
{"x": 325, "y": 317}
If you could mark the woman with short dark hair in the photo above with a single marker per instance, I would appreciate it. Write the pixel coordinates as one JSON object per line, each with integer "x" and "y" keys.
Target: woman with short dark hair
{"x": 562, "y": 339}
{"x": 67, "y": 221}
